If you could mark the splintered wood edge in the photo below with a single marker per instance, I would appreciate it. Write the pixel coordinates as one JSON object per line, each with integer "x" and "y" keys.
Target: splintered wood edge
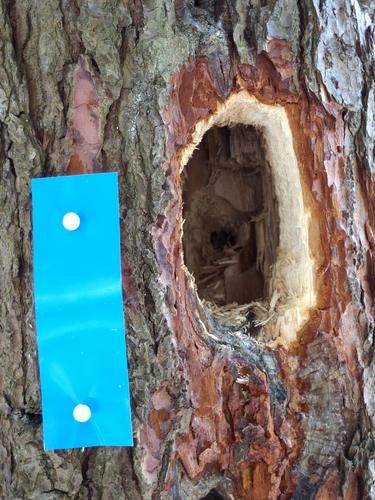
{"x": 292, "y": 289}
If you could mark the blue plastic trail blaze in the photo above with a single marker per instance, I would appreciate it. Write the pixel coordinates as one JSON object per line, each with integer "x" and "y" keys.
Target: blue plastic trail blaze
{"x": 79, "y": 312}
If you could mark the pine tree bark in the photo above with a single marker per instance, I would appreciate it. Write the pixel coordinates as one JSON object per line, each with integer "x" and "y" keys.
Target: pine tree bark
{"x": 102, "y": 85}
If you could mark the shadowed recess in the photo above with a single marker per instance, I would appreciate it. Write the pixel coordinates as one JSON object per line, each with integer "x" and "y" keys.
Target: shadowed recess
{"x": 212, "y": 495}
{"x": 231, "y": 219}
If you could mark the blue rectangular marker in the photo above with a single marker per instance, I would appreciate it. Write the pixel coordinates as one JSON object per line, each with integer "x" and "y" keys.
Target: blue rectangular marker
{"x": 79, "y": 312}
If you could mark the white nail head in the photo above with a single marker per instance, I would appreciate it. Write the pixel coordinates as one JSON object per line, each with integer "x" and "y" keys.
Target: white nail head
{"x": 82, "y": 413}
{"x": 71, "y": 221}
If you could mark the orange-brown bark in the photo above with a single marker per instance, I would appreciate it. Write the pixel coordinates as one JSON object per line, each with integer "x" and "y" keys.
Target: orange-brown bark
{"x": 232, "y": 427}
{"x": 85, "y": 128}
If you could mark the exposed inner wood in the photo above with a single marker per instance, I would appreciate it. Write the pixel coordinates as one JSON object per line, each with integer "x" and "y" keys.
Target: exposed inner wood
{"x": 270, "y": 224}
{"x": 231, "y": 218}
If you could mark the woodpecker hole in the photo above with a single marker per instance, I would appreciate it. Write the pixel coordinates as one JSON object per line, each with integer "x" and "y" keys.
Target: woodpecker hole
{"x": 245, "y": 230}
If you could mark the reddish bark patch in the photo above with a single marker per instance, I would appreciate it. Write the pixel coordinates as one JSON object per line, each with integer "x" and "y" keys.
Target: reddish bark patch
{"x": 85, "y": 131}
{"x": 330, "y": 489}
{"x": 278, "y": 52}
{"x": 152, "y": 433}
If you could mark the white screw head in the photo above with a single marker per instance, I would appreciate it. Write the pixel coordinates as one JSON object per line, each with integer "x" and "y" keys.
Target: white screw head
{"x": 71, "y": 221}
{"x": 82, "y": 413}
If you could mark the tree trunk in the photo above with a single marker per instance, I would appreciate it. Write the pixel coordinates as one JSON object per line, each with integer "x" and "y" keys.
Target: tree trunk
{"x": 251, "y": 358}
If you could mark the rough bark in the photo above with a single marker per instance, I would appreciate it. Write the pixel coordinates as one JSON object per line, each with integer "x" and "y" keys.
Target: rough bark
{"x": 100, "y": 85}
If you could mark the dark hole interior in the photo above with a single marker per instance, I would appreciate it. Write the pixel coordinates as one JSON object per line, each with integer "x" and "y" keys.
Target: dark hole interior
{"x": 230, "y": 212}
{"x": 213, "y": 495}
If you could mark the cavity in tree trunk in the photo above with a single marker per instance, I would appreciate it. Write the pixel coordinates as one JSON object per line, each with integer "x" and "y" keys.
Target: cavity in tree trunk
{"x": 243, "y": 134}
